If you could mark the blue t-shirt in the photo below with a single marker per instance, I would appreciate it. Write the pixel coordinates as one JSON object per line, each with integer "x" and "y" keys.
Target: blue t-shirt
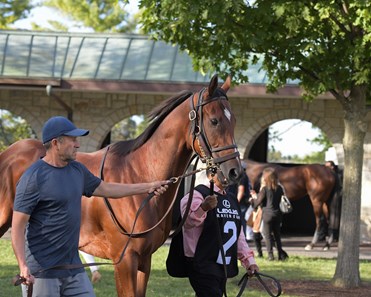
{"x": 52, "y": 197}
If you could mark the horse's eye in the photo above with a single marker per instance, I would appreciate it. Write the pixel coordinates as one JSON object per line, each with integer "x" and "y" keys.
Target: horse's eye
{"x": 214, "y": 122}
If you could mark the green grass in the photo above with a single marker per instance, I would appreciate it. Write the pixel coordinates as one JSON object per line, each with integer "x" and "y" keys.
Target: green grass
{"x": 161, "y": 284}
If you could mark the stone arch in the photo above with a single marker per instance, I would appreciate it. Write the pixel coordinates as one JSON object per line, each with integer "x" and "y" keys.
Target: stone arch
{"x": 249, "y": 136}
{"x": 113, "y": 117}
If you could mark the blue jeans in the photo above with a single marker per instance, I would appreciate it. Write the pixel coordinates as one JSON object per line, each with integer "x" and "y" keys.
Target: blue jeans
{"x": 77, "y": 285}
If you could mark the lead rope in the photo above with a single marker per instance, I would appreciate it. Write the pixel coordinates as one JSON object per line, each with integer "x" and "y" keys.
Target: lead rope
{"x": 188, "y": 207}
{"x": 18, "y": 280}
{"x": 173, "y": 180}
{"x": 220, "y": 241}
{"x": 244, "y": 280}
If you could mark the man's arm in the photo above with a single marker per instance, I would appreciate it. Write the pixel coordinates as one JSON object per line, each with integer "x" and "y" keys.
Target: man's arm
{"x": 117, "y": 190}
{"x": 19, "y": 224}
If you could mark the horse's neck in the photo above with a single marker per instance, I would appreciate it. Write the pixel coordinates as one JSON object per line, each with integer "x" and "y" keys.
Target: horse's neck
{"x": 167, "y": 150}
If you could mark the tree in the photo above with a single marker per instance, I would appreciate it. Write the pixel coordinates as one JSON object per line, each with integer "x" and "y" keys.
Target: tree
{"x": 142, "y": 125}
{"x": 11, "y": 11}
{"x": 12, "y": 129}
{"x": 129, "y": 128}
{"x": 275, "y": 136}
{"x": 98, "y": 15}
{"x": 326, "y": 44}
{"x": 322, "y": 140}
{"x": 124, "y": 130}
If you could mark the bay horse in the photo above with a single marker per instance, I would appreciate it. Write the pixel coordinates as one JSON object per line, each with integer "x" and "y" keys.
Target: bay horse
{"x": 315, "y": 180}
{"x": 186, "y": 124}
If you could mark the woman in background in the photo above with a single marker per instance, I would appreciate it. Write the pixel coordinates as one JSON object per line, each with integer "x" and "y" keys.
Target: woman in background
{"x": 269, "y": 199}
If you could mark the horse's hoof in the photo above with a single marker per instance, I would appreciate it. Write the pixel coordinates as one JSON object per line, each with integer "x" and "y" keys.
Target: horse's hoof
{"x": 308, "y": 247}
{"x": 326, "y": 247}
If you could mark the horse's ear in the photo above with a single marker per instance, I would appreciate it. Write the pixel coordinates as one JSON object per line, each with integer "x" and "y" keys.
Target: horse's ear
{"x": 213, "y": 85}
{"x": 227, "y": 84}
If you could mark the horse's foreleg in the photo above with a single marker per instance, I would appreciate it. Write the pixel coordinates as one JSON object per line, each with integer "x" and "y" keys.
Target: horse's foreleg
{"x": 126, "y": 276}
{"x": 143, "y": 275}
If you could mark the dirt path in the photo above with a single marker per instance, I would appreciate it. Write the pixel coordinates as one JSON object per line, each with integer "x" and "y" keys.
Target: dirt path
{"x": 322, "y": 289}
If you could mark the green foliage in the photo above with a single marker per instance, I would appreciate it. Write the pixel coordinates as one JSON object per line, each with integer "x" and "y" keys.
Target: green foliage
{"x": 55, "y": 25}
{"x": 325, "y": 44}
{"x": 13, "y": 128}
{"x": 11, "y": 11}
{"x": 274, "y": 156}
{"x": 315, "y": 157}
{"x": 322, "y": 140}
{"x": 124, "y": 130}
{"x": 141, "y": 126}
{"x": 99, "y": 15}
{"x": 129, "y": 128}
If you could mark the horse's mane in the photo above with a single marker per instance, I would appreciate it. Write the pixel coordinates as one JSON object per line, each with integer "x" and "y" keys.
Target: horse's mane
{"x": 156, "y": 116}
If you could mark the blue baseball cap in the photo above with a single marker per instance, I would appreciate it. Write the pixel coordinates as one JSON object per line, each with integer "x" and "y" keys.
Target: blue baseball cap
{"x": 60, "y": 126}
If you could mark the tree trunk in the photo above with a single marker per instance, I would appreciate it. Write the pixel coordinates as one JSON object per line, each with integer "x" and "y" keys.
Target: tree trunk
{"x": 347, "y": 267}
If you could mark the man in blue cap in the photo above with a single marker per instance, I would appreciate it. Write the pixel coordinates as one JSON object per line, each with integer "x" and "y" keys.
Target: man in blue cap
{"x": 47, "y": 212}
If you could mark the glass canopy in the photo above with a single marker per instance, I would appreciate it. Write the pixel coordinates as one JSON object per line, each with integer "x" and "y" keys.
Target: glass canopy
{"x": 31, "y": 54}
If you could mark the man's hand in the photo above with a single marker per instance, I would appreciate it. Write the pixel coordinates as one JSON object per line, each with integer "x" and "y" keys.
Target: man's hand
{"x": 159, "y": 187}
{"x": 209, "y": 203}
{"x": 25, "y": 273}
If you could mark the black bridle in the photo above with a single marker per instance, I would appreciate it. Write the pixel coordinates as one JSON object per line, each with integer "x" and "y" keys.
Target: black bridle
{"x": 198, "y": 133}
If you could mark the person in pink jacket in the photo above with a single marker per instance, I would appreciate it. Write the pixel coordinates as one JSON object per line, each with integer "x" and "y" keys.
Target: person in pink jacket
{"x": 213, "y": 225}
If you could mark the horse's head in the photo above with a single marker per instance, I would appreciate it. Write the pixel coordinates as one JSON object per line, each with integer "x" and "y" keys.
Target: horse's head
{"x": 212, "y": 125}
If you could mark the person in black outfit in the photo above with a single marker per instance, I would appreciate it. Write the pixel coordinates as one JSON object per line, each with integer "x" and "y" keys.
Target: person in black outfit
{"x": 213, "y": 225}
{"x": 335, "y": 206}
{"x": 269, "y": 198}
{"x": 241, "y": 190}
{"x": 329, "y": 227}
{"x": 257, "y": 223}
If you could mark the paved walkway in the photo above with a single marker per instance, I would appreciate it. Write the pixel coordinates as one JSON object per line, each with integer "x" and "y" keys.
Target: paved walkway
{"x": 294, "y": 245}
